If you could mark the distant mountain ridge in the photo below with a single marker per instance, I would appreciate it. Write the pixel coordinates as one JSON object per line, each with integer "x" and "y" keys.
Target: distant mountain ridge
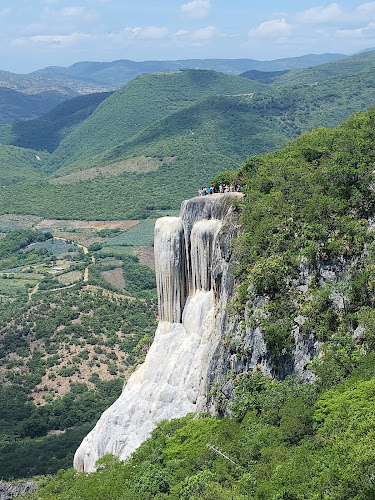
{"x": 54, "y": 85}
{"x": 121, "y": 71}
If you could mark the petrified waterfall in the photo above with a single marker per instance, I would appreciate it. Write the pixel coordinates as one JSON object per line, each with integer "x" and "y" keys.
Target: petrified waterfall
{"x": 170, "y": 268}
{"x": 172, "y": 380}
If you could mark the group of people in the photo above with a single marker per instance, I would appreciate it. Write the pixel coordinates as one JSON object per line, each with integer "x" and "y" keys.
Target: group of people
{"x": 222, "y": 188}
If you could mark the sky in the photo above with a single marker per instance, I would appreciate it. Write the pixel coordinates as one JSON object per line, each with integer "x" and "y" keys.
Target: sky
{"x": 39, "y": 33}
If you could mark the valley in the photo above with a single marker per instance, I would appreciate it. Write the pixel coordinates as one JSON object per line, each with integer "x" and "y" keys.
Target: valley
{"x": 82, "y": 303}
{"x": 82, "y": 186}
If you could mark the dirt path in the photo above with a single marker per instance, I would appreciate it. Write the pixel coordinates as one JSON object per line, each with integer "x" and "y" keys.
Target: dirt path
{"x": 61, "y": 288}
{"x": 85, "y": 251}
{"x": 85, "y": 274}
{"x": 34, "y": 290}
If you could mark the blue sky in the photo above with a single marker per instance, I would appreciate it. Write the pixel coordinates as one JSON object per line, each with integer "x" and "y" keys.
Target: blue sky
{"x": 38, "y": 33}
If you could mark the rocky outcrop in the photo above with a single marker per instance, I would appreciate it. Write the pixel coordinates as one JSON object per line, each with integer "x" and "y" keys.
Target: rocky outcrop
{"x": 193, "y": 279}
{"x": 199, "y": 349}
{"x": 8, "y": 491}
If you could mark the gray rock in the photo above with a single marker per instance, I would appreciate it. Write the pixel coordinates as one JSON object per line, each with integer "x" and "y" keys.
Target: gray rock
{"x": 8, "y": 491}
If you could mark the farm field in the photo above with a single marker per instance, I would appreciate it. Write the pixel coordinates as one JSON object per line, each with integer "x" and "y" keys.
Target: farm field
{"x": 101, "y": 253}
{"x": 142, "y": 235}
{"x": 75, "y": 320}
{"x": 83, "y": 232}
{"x": 139, "y": 164}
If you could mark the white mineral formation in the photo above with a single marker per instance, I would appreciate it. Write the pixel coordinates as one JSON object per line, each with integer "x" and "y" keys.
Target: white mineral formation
{"x": 170, "y": 268}
{"x": 171, "y": 381}
{"x": 202, "y": 242}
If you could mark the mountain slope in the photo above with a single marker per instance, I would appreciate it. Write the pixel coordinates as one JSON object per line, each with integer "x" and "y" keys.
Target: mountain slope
{"x": 137, "y": 105}
{"x": 16, "y": 105}
{"x": 46, "y": 132}
{"x": 44, "y": 89}
{"x": 156, "y": 141}
{"x": 24, "y": 166}
{"x": 343, "y": 67}
{"x": 305, "y": 277}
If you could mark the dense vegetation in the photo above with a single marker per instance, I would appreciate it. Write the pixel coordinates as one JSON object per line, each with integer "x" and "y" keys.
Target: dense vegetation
{"x": 61, "y": 370}
{"x": 306, "y": 223}
{"x": 288, "y": 444}
{"x": 66, "y": 351}
{"x": 117, "y": 73}
{"x": 307, "y": 209}
{"x": 25, "y": 97}
{"x": 46, "y": 132}
{"x": 15, "y": 105}
{"x": 13, "y": 248}
{"x": 188, "y": 124}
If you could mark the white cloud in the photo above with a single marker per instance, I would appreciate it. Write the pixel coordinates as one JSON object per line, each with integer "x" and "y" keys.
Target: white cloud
{"x": 4, "y": 12}
{"x": 148, "y": 33}
{"x": 77, "y": 13}
{"x": 335, "y": 14}
{"x": 54, "y": 40}
{"x": 67, "y": 20}
{"x": 276, "y": 29}
{"x": 204, "y": 33}
{"x": 196, "y": 9}
{"x": 365, "y": 10}
{"x": 321, "y": 14}
{"x": 181, "y": 33}
{"x": 365, "y": 32}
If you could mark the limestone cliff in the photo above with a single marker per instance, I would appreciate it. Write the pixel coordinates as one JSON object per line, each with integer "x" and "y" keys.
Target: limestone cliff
{"x": 194, "y": 283}
{"x": 199, "y": 348}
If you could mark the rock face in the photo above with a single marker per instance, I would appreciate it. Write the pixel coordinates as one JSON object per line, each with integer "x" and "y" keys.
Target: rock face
{"x": 192, "y": 269}
{"x": 8, "y": 491}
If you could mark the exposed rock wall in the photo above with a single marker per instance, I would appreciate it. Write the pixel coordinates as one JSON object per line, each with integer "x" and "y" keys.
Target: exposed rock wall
{"x": 193, "y": 279}
{"x": 170, "y": 268}
{"x": 8, "y": 491}
{"x": 199, "y": 347}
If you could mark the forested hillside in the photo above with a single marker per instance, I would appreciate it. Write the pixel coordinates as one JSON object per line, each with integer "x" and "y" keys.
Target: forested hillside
{"x": 181, "y": 128}
{"x": 72, "y": 327}
{"x": 15, "y": 105}
{"x": 46, "y": 132}
{"x": 305, "y": 260}
{"x": 30, "y": 96}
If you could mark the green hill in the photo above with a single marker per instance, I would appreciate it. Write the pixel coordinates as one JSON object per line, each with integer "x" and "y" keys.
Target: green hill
{"x": 157, "y": 140}
{"x": 30, "y": 96}
{"x": 122, "y": 71}
{"x": 263, "y": 76}
{"x": 342, "y": 67}
{"x": 46, "y": 132}
{"x": 18, "y": 165}
{"x": 136, "y": 106}
{"x": 16, "y": 105}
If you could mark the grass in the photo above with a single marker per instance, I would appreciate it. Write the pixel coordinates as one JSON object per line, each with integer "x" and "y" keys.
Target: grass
{"x": 115, "y": 277}
{"x": 14, "y": 287}
{"x": 116, "y": 251}
{"x": 69, "y": 277}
